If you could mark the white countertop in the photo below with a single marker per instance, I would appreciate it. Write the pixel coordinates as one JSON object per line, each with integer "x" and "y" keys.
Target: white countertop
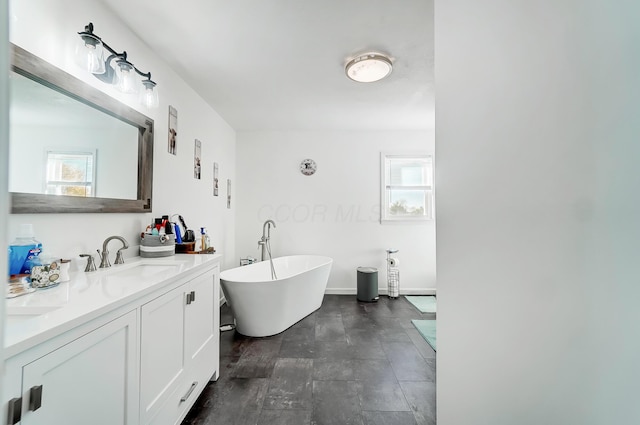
{"x": 34, "y": 318}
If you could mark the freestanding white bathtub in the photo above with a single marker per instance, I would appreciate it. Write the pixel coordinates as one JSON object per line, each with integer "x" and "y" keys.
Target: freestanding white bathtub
{"x": 264, "y": 307}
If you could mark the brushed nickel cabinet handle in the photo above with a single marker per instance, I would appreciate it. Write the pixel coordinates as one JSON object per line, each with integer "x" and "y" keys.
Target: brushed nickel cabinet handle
{"x": 14, "y": 410}
{"x": 186, "y": 396}
{"x": 35, "y": 397}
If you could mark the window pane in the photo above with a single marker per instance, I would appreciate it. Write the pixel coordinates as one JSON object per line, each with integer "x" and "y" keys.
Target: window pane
{"x": 76, "y": 190}
{"x": 70, "y": 167}
{"x": 69, "y": 174}
{"x": 407, "y": 203}
{"x": 409, "y": 172}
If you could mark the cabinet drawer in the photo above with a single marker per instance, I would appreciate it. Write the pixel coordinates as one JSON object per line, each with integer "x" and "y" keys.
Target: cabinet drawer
{"x": 175, "y": 407}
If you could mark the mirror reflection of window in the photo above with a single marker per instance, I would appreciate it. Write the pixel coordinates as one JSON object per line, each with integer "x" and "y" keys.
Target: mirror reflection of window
{"x": 70, "y": 174}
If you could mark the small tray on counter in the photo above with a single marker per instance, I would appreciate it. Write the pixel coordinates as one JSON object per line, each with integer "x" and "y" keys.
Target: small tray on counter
{"x": 185, "y": 247}
{"x": 209, "y": 250}
{"x": 18, "y": 285}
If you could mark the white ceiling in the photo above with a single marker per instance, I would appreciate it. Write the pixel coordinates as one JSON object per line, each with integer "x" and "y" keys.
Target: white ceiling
{"x": 279, "y": 64}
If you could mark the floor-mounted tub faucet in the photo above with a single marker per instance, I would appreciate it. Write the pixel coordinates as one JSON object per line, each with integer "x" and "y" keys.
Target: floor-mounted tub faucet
{"x": 104, "y": 255}
{"x": 266, "y": 234}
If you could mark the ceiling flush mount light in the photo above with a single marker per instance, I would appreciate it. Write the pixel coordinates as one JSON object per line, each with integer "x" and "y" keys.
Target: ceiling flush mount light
{"x": 115, "y": 69}
{"x": 369, "y": 68}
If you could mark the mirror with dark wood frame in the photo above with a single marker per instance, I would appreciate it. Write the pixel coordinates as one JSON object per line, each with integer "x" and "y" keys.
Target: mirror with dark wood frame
{"x": 128, "y": 138}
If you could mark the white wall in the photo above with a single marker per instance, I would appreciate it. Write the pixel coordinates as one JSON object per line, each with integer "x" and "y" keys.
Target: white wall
{"x": 174, "y": 188}
{"x": 335, "y": 212}
{"x": 538, "y": 212}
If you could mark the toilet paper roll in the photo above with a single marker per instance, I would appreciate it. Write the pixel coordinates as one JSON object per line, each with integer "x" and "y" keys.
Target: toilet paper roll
{"x": 394, "y": 262}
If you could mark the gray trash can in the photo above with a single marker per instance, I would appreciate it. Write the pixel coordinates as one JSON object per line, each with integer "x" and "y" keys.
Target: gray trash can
{"x": 367, "y": 284}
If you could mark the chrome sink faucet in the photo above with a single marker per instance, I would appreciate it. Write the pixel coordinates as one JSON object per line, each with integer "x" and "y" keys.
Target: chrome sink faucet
{"x": 104, "y": 255}
{"x": 91, "y": 266}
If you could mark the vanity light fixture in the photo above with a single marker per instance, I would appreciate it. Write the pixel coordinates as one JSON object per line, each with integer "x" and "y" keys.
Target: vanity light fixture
{"x": 90, "y": 55}
{"x": 369, "y": 67}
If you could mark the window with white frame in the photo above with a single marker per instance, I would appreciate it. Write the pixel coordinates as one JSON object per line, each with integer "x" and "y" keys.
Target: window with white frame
{"x": 407, "y": 187}
{"x": 70, "y": 173}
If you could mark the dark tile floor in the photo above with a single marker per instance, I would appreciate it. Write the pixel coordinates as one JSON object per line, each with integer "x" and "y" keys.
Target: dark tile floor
{"x": 347, "y": 363}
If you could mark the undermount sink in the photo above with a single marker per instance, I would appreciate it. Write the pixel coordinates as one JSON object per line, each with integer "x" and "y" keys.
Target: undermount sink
{"x": 18, "y": 314}
{"x": 142, "y": 269}
{"x": 133, "y": 274}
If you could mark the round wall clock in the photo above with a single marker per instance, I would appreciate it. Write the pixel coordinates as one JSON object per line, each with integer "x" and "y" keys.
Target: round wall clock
{"x": 308, "y": 167}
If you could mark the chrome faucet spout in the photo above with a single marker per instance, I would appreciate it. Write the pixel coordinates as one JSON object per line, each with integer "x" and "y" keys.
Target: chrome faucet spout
{"x": 104, "y": 255}
{"x": 266, "y": 234}
{"x": 266, "y": 229}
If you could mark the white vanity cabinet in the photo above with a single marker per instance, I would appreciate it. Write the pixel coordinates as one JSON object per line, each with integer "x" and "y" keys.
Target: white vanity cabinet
{"x": 94, "y": 373}
{"x": 180, "y": 348}
{"x": 141, "y": 359}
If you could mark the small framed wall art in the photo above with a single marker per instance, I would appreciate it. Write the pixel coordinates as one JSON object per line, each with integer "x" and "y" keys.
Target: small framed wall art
{"x": 173, "y": 130}
{"x": 197, "y": 155}
{"x": 215, "y": 179}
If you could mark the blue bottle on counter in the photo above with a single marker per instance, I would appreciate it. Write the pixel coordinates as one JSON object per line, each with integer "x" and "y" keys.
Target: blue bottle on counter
{"x": 23, "y": 251}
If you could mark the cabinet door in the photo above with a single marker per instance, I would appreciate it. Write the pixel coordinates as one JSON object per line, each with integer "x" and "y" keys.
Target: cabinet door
{"x": 199, "y": 329}
{"x": 180, "y": 349}
{"x": 162, "y": 350}
{"x": 91, "y": 380}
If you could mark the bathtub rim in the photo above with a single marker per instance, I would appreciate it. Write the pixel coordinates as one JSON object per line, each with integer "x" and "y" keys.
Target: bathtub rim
{"x": 328, "y": 261}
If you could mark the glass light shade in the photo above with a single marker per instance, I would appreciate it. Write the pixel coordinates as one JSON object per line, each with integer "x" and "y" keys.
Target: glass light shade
{"x": 90, "y": 54}
{"x": 369, "y": 68}
{"x": 127, "y": 79}
{"x": 149, "y": 95}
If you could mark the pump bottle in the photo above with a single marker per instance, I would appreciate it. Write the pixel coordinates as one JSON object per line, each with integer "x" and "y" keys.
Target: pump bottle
{"x": 205, "y": 243}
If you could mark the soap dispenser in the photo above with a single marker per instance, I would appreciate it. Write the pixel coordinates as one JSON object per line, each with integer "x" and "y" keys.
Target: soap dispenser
{"x": 205, "y": 242}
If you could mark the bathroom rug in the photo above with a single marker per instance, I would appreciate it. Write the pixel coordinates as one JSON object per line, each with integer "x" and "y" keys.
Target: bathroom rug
{"x": 424, "y": 303}
{"x": 427, "y": 329}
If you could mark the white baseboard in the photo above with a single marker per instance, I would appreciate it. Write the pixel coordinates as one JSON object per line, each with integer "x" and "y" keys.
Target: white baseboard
{"x": 403, "y": 291}
{"x": 353, "y": 291}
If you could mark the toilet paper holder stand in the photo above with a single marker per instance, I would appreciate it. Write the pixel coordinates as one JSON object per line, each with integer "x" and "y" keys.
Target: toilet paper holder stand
{"x": 393, "y": 275}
